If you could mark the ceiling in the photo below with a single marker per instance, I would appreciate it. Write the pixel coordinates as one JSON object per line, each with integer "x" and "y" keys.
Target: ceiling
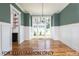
{"x": 36, "y": 8}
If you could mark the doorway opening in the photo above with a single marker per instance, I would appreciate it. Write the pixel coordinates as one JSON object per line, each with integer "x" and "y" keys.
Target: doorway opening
{"x": 15, "y": 25}
{"x": 15, "y": 28}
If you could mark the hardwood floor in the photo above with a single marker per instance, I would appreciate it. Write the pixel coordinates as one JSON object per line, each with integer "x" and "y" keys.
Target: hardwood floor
{"x": 41, "y": 47}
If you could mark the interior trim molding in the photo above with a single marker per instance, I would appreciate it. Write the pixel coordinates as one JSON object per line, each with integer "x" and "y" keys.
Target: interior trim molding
{"x": 20, "y": 7}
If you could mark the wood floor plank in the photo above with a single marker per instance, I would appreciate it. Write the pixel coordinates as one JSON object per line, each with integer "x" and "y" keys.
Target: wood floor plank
{"x": 42, "y": 47}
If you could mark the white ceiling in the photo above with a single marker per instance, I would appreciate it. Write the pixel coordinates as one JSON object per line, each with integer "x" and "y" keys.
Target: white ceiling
{"x": 36, "y": 8}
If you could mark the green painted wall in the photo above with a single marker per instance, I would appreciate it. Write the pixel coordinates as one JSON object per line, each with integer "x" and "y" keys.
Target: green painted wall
{"x": 5, "y": 12}
{"x": 30, "y": 20}
{"x": 52, "y": 21}
{"x": 56, "y": 19}
{"x": 27, "y": 19}
{"x": 70, "y": 14}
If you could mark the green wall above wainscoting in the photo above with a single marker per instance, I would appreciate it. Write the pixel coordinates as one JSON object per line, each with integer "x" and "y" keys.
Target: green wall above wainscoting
{"x": 52, "y": 21}
{"x": 5, "y": 12}
{"x": 70, "y": 14}
{"x": 55, "y": 20}
{"x": 27, "y": 19}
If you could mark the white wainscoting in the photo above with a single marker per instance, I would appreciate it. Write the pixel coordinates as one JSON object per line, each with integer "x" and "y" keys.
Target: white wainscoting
{"x": 28, "y": 32}
{"x": 55, "y": 32}
{"x": 0, "y": 38}
{"x": 69, "y": 34}
{"x": 22, "y": 34}
{"x": 6, "y": 44}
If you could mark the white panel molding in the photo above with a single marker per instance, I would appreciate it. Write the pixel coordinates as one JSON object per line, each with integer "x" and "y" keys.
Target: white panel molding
{"x": 69, "y": 34}
{"x": 28, "y": 32}
{"x": 22, "y": 34}
{"x": 0, "y": 39}
{"x": 6, "y": 44}
{"x": 20, "y": 7}
{"x": 55, "y": 32}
